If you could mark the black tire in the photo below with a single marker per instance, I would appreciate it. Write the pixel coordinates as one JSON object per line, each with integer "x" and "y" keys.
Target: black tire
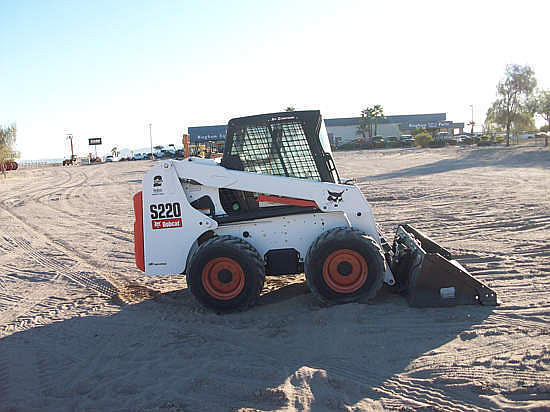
{"x": 347, "y": 246}
{"x": 240, "y": 264}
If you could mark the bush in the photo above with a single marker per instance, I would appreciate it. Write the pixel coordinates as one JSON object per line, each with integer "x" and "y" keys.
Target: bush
{"x": 423, "y": 139}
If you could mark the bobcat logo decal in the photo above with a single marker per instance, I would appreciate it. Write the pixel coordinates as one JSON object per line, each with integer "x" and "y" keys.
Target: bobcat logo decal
{"x": 157, "y": 181}
{"x": 334, "y": 196}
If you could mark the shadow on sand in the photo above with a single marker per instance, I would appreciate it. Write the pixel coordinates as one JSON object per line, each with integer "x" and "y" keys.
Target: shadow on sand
{"x": 499, "y": 157}
{"x": 170, "y": 353}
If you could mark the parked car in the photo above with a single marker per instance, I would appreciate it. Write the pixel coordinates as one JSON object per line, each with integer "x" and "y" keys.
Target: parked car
{"x": 138, "y": 156}
{"x": 159, "y": 155}
{"x": 8, "y": 165}
{"x": 167, "y": 153}
{"x": 485, "y": 141}
{"x": 407, "y": 140}
{"x": 377, "y": 142}
{"x": 392, "y": 141}
{"x": 109, "y": 158}
{"x": 73, "y": 160}
{"x": 359, "y": 143}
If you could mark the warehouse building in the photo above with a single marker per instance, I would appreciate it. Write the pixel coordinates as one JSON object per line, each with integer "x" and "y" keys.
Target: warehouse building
{"x": 343, "y": 130}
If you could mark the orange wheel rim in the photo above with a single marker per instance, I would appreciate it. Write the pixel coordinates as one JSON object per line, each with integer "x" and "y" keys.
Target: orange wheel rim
{"x": 345, "y": 271}
{"x": 223, "y": 278}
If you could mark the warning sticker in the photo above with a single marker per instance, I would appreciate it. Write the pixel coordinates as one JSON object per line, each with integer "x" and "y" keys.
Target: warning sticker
{"x": 167, "y": 223}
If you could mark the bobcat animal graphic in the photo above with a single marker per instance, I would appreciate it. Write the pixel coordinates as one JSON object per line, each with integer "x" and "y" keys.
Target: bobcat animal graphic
{"x": 334, "y": 196}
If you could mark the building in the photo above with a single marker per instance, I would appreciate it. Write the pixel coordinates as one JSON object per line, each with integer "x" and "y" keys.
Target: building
{"x": 343, "y": 130}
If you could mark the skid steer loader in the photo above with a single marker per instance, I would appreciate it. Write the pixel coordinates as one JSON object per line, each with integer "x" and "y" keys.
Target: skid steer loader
{"x": 275, "y": 205}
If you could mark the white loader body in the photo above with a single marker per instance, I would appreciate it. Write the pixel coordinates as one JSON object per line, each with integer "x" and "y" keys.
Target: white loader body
{"x": 275, "y": 205}
{"x": 172, "y": 227}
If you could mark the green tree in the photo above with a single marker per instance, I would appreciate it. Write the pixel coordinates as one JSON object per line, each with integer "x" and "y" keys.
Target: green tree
{"x": 541, "y": 106}
{"x": 513, "y": 95}
{"x": 414, "y": 132}
{"x": 290, "y": 109}
{"x": 365, "y": 127}
{"x": 423, "y": 139}
{"x": 523, "y": 122}
{"x": 369, "y": 118}
{"x": 490, "y": 127}
{"x": 7, "y": 145}
{"x": 378, "y": 113}
{"x": 115, "y": 151}
{"x": 158, "y": 147}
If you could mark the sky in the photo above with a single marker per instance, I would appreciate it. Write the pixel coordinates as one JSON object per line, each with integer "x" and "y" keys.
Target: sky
{"x": 109, "y": 68}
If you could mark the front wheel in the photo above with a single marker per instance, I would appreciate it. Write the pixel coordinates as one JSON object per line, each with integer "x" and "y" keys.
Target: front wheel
{"x": 226, "y": 273}
{"x": 344, "y": 265}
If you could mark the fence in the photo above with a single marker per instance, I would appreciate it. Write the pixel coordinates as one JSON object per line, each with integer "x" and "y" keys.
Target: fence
{"x": 32, "y": 164}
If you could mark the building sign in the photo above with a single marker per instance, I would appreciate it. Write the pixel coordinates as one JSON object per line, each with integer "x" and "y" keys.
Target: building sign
{"x": 94, "y": 141}
{"x": 430, "y": 125}
{"x": 207, "y": 133}
{"x": 207, "y": 137}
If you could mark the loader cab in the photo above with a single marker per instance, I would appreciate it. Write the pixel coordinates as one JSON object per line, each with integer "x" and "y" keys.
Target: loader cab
{"x": 292, "y": 144}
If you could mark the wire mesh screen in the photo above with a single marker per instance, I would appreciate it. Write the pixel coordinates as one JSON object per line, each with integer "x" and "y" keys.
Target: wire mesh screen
{"x": 279, "y": 148}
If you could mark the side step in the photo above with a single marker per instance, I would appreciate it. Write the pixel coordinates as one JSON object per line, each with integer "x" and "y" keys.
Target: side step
{"x": 429, "y": 276}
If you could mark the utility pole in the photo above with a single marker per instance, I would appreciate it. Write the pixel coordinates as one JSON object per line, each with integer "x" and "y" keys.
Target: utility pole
{"x": 72, "y": 151}
{"x": 472, "y": 123}
{"x": 69, "y": 137}
{"x": 151, "y": 140}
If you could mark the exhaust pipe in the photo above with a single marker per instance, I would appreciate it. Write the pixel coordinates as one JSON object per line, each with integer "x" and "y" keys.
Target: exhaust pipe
{"x": 429, "y": 277}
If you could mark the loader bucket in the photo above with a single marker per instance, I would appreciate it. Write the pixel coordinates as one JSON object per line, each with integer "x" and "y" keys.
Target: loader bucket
{"x": 428, "y": 275}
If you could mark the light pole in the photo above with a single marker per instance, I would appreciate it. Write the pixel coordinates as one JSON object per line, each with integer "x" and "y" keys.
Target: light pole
{"x": 472, "y": 123}
{"x": 151, "y": 140}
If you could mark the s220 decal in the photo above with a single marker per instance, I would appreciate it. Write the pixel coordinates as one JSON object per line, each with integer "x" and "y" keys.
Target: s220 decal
{"x": 165, "y": 215}
{"x": 165, "y": 210}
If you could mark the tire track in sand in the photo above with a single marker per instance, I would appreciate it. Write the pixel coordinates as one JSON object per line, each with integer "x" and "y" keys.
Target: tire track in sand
{"x": 59, "y": 192}
{"x": 125, "y": 290}
{"x": 107, "y": 285}
{"x": 21, "y": 193}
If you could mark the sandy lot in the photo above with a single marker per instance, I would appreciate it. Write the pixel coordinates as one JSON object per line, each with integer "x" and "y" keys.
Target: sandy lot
{"x": 82, "y": 329}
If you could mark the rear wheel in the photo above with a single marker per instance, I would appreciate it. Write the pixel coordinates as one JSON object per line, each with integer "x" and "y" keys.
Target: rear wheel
{"x": 226, "y": 273}
{"x": 344, "y": 265}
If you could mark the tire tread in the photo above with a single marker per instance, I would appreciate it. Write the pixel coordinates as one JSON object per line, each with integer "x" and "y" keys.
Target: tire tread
{"x": 340, "y": 234}
{"x": 248, "y": 251}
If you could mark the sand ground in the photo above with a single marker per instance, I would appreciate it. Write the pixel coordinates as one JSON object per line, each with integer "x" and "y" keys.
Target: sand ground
{"x": 82, "y": 329}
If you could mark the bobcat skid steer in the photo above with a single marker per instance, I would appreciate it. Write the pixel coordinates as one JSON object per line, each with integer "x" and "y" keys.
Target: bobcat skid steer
{"x": 275, "y": 205}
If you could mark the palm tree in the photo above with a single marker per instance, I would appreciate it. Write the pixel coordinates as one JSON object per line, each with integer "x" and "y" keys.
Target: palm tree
{"x": 365, "y": 122}
{"x": 363, "y": 127}
{"x": 290, "y": 109}
{"x": 115, "y": 151}
{"x": 378, "y": 113}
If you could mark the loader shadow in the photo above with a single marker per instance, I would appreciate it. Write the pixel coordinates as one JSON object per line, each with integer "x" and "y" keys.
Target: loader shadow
{"x": 477, "y": 158}
{"x": 169, "y": 352}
